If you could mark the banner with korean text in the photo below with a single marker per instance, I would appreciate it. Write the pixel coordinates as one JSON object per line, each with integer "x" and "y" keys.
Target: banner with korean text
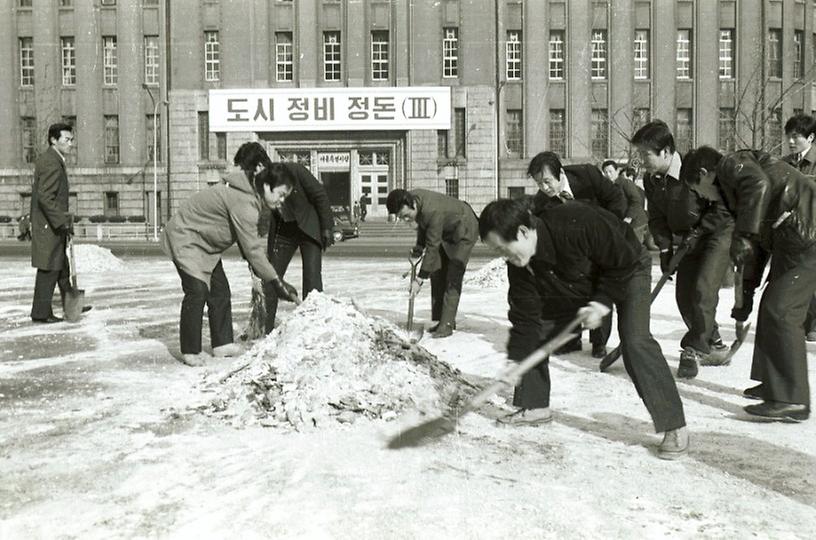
{"x": 330, "y": 109}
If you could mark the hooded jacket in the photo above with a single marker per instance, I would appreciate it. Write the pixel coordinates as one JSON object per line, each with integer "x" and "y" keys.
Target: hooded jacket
{"x": 211, "y": 221}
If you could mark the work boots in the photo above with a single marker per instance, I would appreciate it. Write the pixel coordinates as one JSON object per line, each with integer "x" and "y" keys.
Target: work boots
{"x": 447, "y": 321}
{"x": 689, "y": 360}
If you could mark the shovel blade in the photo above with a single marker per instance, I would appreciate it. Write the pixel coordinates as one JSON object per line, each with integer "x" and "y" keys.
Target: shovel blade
{"x": 742, "y": 333}
{"x": 415, "y": 335}
{"x": 423, "y": 433}
{"x": 74, "y": 302}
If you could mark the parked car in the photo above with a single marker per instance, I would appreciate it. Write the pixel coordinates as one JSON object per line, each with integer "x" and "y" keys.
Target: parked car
{"x": 345, "y": 228}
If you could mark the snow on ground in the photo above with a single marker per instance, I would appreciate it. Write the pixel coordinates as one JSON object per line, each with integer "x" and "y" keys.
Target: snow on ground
{"x": 93, "y": 258}
{"x": 98, "y": 438}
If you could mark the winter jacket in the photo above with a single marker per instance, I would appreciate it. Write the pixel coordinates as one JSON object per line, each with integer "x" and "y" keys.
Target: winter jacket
{"x": 584, "y": 253}
{"x": 588, "y": 185}
{"x": 49, "y": 211}
{"x": 308, "y": 205}
{"x": 443, "y": 221}
{"x": 769, "y": 199}
{"x": 211, "y": 221}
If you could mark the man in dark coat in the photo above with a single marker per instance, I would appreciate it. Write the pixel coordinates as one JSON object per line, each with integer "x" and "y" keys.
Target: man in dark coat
{"x": 576, "y": 259}
{"x": 556, "y": 184}
{"x": 447, "y": 229}
{"x": 50, "y": 223}
{"x": 679, "y": 217}
{"x": 635, "y": 197}
{"x": 303, "y": 221}
{"x": 775, "y": 205}
{"x": 800, "y": 130}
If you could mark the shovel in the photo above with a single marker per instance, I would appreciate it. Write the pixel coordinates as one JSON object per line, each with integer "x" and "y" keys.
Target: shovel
{"x": 74, "y": 297}
{"x": 741, "y": 326}
{"x": 442, "y": 425}
{"x": 413, "y": 335}
{"x": 613, "y": 356}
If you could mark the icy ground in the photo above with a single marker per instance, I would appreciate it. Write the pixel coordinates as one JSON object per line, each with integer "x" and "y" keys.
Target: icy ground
{"x": 97, "y": 439}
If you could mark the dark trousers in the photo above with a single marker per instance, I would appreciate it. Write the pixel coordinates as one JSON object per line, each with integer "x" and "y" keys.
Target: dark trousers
{"x": 699, "y": 277}
{"x": 445, "y": 280}
{"x": 810, "y": 320}
{"x": 780, "y": 353}
{"x": 219, "y": 310}
{"x": 642, "y": 357}
{"x": 44, "y": 290}
{"x": 281, "y": 247}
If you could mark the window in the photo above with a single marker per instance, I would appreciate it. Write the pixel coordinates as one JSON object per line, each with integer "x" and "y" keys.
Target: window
{"x": 598, "y": 62}
{"x": 212, "y": 56}
{"x": 71, "y": 158}
{"x": 379, "y": 55}
{"x": 111, "y": 203}
{"x": 150, "y": 2}
{"x": 452, "y": 187}
{"x": 775, "y": 53}
{"x": 108, "y": 2}
{"x": 66, "y": 3}
{"x": 556, "y": 54}
{"x": 331, "y": 56}
{"x": 727, "y": 138}
{"x": 514, "y": 132}
{"x": 110, "y": 63}
{"x": 68, "y": 61}
{"x": 600, "y": 134}
{"x": 28, "y": 130}
{"x": 149, "y": 125}
{"x": 727, "y": 53}
{"x": 515, "y": 192}
{"x": 442, "y": 143}
{"x": 558, "y": 132}
{"x": 221, "y": 145}
{"x": 460, "y": 133}
{"x": 684, "y": 133}
{"x": 450, "y": 53}
{"x": 513, "y": 55}
{"x": 798, "y": 53}
{"x": 151, "y": 55}
{"x": 641, "y": 54}
{"x": 111, "y": 139}
{"x": 284, "y": 67}
{"x": 25, "y": 3}
{"x": 684, "y": 54}
{"x": 203, "y": 135}
{"x": 304, "y": 157}
{"x": 640, "y": 117}
{"x": 26, "y": 61}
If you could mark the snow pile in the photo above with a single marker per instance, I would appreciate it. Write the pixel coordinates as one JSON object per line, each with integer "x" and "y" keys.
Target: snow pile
{"x": 328, "y": 363}
{"x": 491, "y": 275}
{"x": 93, "y": 258}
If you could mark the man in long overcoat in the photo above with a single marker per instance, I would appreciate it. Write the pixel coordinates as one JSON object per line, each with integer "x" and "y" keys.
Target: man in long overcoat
{"x": 447, "y": 230}
{"x": 50, "y": 223}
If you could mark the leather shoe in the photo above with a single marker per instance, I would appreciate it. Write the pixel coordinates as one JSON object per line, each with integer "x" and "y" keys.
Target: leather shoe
{"x": 755, "y": 392}
{"x": 598, "y": 350}
{"x": 86, "y": 309}
{"x": 48, "y": 320}
{"x": 777, "y": 410}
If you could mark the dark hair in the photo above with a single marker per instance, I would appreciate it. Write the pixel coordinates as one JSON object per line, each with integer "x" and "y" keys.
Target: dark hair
{"x": 654, "y": 135}
{"x": 704, "y": 157}
{"x": 801, "y": 124}
{"x": 397, "y": 199}
{"x": 545, "y": 159}
{"x": 249, "y": 155}
{"x": 629, "y": 172}
{"x": 55, "y": 130}
{"x": 609, "y": 162}
{"x": 504, "y": 217}
{"x": 277, "y": 174}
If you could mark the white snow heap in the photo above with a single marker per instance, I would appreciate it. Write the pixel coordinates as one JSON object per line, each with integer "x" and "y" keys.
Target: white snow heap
{"x": 491, "y": 275}
{"x": 331, "y": 362}
{"x": 92, "y": 258}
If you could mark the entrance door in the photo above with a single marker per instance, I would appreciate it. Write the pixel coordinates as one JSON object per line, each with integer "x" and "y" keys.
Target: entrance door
{"x": 338, "y": 188}
{"x": 375, "y": 187}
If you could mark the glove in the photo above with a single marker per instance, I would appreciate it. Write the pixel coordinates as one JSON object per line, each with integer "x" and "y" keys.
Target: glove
{"x": 416, "y": 252}
{"x": 593, "y": 314}
{"x": 328, "y": 238}
{"x": 286, "y": 291}
{"x": 741, "y": 313}
{"x": 741, "y": 250}
{"x": 665, "y": 260}
{"x": 416, "y": 286}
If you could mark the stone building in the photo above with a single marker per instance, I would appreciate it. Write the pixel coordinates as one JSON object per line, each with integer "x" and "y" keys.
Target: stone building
{"x": 522, "y": 76}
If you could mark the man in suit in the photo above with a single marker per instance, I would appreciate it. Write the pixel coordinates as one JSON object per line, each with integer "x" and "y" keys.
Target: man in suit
{"x": 556, "y": 184}
{"x": 51, "y": 223}
{"x": 800, "y": 130}
{"x": 447, "y": 230}
{"x": 304, "y": 221}
{"x": 635, "y": 197}
{"x": 680, "y": 218}
{"x": 575, "y": 259}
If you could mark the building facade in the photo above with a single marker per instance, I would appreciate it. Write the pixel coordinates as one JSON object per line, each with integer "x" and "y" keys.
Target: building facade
{"x": 577, "y": 77}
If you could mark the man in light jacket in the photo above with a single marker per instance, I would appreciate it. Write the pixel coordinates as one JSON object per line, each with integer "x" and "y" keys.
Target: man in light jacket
{"x": 205, "y": 226}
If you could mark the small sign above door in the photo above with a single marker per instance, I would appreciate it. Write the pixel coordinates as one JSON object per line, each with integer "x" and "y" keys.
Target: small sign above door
{"x": 333, "y": 160}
